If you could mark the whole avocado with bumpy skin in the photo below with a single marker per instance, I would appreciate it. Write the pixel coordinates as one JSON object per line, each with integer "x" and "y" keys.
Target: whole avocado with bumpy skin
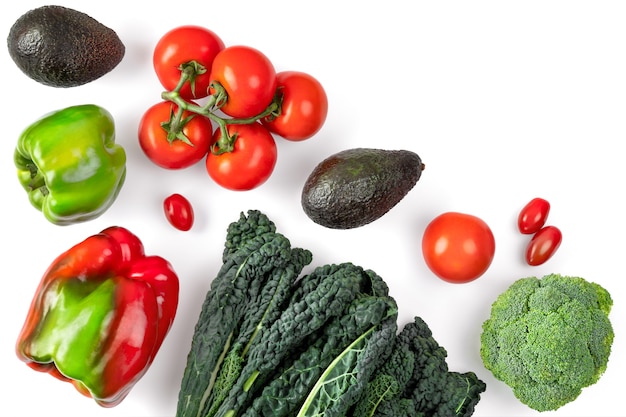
{"x": 61, "y": 47}
{"x": 356, "y": 186}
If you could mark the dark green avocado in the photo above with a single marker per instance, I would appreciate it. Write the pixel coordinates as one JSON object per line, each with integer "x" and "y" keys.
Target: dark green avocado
{"x": 354, "y": 187}
{"x": 62, "y": 47}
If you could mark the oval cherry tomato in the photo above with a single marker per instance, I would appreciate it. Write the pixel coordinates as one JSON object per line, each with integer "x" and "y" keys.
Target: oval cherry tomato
{"x": 458, "y": 247}
{"x": 543, "y": 245}
{"x": 249, "y": 79}
{"x": 153, "y": 138}
{"x": 180, "y": 46}
{"x": 304, "y": 106}
{"x": 179, "y": 212}
{"x": 533, "y": 216}
{"x": 249, "y": 164}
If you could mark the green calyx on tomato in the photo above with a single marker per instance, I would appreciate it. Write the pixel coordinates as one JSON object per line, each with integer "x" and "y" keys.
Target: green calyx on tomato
{"x": 182, "y": 60}
{"x": 186, "y": 148}
{"x": 249, "y": 164}
{"x": 189, "y": 73}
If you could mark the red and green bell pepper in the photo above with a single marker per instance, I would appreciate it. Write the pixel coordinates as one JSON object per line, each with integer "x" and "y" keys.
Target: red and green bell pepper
{"x": 69, "y": 164}
{"x": 100, "y": 314}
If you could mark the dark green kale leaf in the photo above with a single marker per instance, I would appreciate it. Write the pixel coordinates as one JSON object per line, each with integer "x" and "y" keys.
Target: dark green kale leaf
{"x": 416, "y": 381}
{"x": 317, "y": 299}
{"x": 325, "y": 374}
{"x": 254, "y": 255}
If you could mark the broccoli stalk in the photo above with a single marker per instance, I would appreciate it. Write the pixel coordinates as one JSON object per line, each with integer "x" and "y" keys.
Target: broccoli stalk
{"x": 548, "y": 338}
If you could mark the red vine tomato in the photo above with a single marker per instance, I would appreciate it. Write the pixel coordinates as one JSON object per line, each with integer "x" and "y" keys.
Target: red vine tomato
{"x": 179, "y": 212}
{"x": 174, "y": 154}
{"x": 458, "y": 247}
{"x": 251, "y": 161}
{"x": 304, "y": 106}
{"x": 181, "y": 46}
{"x": 249, "y": 79}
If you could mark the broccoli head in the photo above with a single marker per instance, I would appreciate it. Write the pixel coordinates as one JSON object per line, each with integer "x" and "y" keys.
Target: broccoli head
{"x": 548, "y": 338}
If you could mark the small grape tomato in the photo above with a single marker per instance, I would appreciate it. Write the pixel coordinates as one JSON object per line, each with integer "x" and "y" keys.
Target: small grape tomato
{"x": 179, "y": 212}
{"x": 543, "y": 245}
{"x": 533, "y": 216}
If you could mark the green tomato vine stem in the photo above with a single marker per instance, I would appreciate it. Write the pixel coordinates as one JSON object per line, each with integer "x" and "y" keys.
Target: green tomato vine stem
{"x": 174, "y": 126}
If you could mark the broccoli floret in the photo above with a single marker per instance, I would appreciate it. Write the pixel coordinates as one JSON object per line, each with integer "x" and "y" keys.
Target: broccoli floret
{"x": 548, "y": 338}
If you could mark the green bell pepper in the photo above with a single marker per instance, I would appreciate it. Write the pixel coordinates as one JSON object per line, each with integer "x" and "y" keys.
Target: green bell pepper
{"x": 69, "y": 164}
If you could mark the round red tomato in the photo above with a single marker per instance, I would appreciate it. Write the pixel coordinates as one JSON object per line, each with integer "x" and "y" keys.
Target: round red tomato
{"x": 181, "y": 46}
{"x": 249, "y": 79}
{"x": 543, "y": 245}
{"x": 533, "y": 216}
{"x": 458, "y": 247}
{"x": 178, "y": 211}
{"x": 304, "y": 106}
{"x": 251, "y": 161}
{"x": 175, "y": 153}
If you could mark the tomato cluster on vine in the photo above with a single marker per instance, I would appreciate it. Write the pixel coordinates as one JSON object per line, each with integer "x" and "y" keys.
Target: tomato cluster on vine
{"x": 226, "y": 105}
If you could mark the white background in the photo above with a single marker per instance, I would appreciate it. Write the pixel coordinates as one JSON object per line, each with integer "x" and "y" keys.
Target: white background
{"x": 504, "y": 101}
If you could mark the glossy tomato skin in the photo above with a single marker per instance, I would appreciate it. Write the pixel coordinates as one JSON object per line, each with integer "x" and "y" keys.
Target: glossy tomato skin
{"x": 533, "y": 216}
{"x": 180, "y": 46}
{"x": 178, "y": 211}
{"x": 177, "y": 154}
{"x": 458, "y": 247}
{"x": 304, "y": 106}
{"x": 249, "y": 78}
{"x": 249, "y": 164}
{"x": 543, "y": 245}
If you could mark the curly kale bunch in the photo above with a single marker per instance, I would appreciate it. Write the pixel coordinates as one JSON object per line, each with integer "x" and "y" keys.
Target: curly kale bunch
{"x": 548, "y": 338}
